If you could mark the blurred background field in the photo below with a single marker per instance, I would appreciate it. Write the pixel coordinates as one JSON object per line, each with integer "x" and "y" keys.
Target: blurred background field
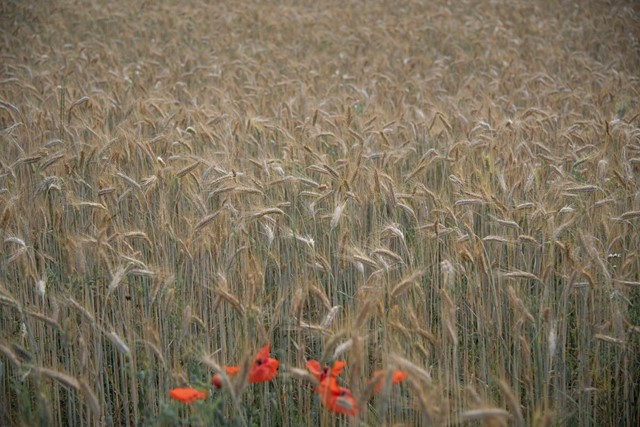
{"x": 451, "y": 188}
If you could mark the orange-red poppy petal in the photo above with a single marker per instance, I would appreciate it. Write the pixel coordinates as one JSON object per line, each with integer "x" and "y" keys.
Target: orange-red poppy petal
{"x": 398, "y": 376}
{"x": 263, "y": 371}
{"x": 230, "y": 370}
{"x": 186, "y": 394}
{"x": 263, "y": 353}
{"x": 321, "y": 373}
{"x": 378, "y": 376}
{"x": 264, "y": 368}
{"x": 337, "y": 399}
{"x": 313, "y": 366}
{"x": 344, "y": 404}
{"x": 337, "y": 367}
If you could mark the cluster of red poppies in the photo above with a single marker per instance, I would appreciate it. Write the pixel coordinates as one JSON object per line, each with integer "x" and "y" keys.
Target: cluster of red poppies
{"x": 263, "y": 368}
{"x": 339, "y": 399}
{"x": 332, "y": 396}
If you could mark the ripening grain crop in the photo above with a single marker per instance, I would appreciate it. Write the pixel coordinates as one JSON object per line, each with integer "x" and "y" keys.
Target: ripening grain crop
{"x": 303, "y": 213}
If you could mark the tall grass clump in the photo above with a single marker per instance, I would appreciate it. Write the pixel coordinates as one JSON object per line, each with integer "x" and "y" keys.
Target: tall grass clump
{"x": 449, "y": 189}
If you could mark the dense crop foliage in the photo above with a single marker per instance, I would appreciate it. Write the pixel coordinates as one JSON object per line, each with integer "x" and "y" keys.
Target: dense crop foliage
{"x": 449, "y": 189}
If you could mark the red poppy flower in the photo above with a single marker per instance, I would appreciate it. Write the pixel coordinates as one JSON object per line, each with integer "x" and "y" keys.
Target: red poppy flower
{"x": 264, "y": 368}
{"x": 337, "y": 399}
{"x": 313, "y": 366}
{"x": 321, "y": 373}
{"x": 378, "y": 377}
{"x": 186, "y": 394}
{"x": 333, "y": 397}
{"x": 232, "y": 370}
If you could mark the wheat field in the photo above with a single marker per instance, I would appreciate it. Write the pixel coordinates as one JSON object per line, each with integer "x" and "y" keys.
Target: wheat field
{"x": 450, "y": 188}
